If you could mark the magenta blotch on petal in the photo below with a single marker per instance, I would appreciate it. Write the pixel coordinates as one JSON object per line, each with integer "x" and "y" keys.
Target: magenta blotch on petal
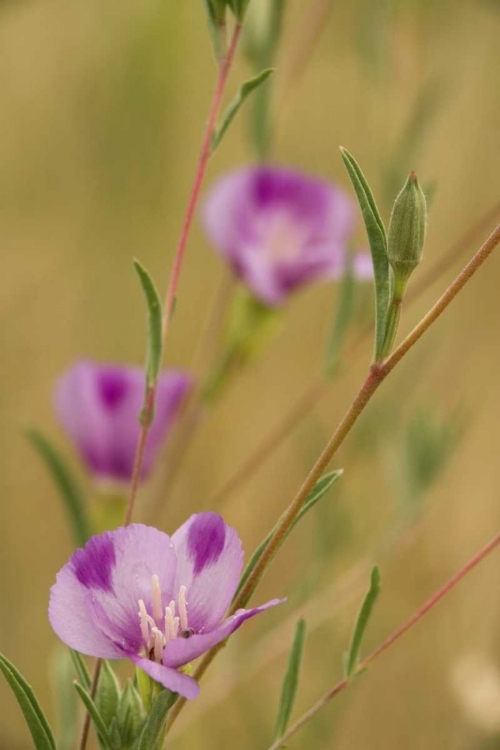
{"x": 99, "y": 407}
{"x": 136, "y": 593}
{"x": 279, "y": 229}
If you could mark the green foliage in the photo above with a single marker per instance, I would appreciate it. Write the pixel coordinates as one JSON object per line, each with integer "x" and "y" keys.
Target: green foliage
{"x": 105, "y": 740}
{"x": 244, "y": 91}
{"x": 216, "y": 18}
{"x": 407, "y": 227}
{"x": 321, "y": 486}
{"x": 152, "y": 733}
{"x": 261, "y": 39}
{"x": 69, "y": 490}
{"x": 65, "y": 700}
{"x": 108, "y": 693}
{"x": 80, "y": 668}
{"x": 130, "y": 716}
{"x": 291, "y": 680}
{"x": 351, "y": 662}
{"x": 33, "y": 714}
{"x": 155, "y": 339}
{"x": 429, "y": 442}
{"x": 377, "y": 239}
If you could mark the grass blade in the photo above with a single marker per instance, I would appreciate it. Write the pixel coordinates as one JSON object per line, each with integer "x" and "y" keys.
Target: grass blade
{"x": 35, "y": 718}
{"x": 69, "y": 490}
{"x": 291, "y": 680}
{"x": 363, "y": 618}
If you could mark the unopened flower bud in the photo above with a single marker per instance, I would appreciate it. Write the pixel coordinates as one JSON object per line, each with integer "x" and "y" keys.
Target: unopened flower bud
{"x": 407, "y": 232}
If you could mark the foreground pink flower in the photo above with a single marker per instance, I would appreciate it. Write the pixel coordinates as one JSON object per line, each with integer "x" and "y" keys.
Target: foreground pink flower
{"x": 136, "y": 593}
{"x": 280, "y": 229}
{"x": 99, "y": 407}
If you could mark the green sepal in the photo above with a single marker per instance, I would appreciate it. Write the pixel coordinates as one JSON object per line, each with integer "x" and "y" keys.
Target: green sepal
{"x": 69, "y": 489}
{"x": 244, "y": 91}
{"x": 130, "y": 716}
{"x": 107, "y": 698}
{"x": 351, "y": 662}
{"x": 155, "y": 314}
{"x": 145, "y": 685}
{"x": 291, "y": 680}
{"x": 377, "y": 239}
{"x": 28, "y": 703}
{"x": 152, "y": 733}
{"x": 99, "y": 725}
{"x": 81, "y": 670}
{"x": 216, "y": 18}
{"x": 238, "y": 7}
{"x": 251, "y": 326}
{"x": 319, "y": 489}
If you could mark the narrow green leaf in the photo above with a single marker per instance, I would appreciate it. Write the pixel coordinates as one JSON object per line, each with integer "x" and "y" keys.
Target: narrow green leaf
{"x": 343, "y": 316}
{"x": 291, "y": 680}
{"x": 130, "y": 716}
{"x": 35, "y": 718}
{"x": 81, "y": 669}
{"x": 378, "y": 245}
{"x": 363, "y": 618}
{"x": 70, "y": 492}
{"x": 216, "y": 12}
{"x": 231, "y": 111}
{"x": 319, "y": 489}
{"x": 155, "y": 343}
{"x": 108, "y": 694}
{"x": 155, "y": 724}
{"x": 98, "y": 721}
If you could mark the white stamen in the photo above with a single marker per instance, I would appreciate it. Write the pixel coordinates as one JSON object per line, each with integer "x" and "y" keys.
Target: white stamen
{"x": 143, "y": 616}
{"x": 157, "y": 606}
{"x": 172, "y": 607}
{"x": 183, "y": 609}
{"x": 176, "y": 626}
{"x": 159, "y": 642}
{"x": 169, "y": 624}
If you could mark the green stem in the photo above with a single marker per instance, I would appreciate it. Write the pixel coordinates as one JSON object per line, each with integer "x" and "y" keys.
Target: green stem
{"x": 376, "y": 375}
{"x": 391, "y": 639}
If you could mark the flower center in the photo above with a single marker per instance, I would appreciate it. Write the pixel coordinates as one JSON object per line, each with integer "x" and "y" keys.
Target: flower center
{"x": 283, "y": 236}
{"x": 165, "y": 624}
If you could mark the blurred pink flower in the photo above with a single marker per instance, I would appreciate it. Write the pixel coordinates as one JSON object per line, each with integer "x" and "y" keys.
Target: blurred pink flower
{"x": 280, "y": 229}
{"x": 99, "y": 406}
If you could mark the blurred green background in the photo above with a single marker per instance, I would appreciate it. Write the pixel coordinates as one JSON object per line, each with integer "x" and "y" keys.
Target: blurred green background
{"x": 102, "y": 107}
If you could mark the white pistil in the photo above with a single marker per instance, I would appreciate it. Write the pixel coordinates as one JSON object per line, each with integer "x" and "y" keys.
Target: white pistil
{"x": 183, "y": 618}
{"x": 159, "y": 642}
{"x": 157, "y": 605}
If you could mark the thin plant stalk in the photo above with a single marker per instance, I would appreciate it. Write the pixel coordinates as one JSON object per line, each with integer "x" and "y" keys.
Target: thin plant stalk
{"x": 376, "y": 376}
{"x": 170, "y": 297}
{"x": 391, "y": 639}
{"x": 319, "y": 387}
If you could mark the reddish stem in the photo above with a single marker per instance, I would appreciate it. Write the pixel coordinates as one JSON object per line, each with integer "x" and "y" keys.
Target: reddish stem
{"x": 149, "y": 403}
{"x": 220, "y": 86}
{"x": 395, "y": 636}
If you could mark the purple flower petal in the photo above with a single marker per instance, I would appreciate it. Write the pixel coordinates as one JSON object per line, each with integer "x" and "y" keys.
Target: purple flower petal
{"x": 279, "y": 229}
{"x": 94, "y": 602}
{"x": 99, "y": 407}
{"x": 183, "y": 650}
{"x": 168, "y": 677}
{"x": 209, "y": 564}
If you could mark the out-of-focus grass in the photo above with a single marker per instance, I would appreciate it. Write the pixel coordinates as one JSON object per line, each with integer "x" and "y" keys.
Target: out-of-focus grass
{"x": 102, "y": 106}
